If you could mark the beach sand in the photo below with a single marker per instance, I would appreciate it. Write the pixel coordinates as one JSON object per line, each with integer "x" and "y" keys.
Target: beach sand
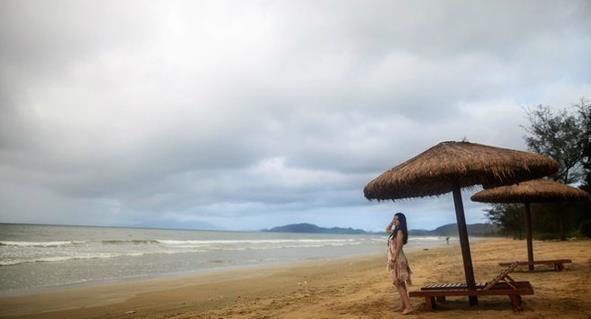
{"x": 346, "y": 288}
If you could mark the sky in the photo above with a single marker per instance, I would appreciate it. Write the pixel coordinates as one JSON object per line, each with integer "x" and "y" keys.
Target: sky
{"x": 243, "y": 115}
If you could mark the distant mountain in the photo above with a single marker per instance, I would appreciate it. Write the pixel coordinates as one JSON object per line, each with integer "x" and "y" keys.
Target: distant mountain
{"x": 445, "y": 230}
{"x": 478, "y": 229}
{"x": 311, "y": 228}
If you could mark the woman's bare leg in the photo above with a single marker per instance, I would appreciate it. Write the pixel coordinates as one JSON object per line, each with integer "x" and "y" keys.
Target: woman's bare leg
{"x": 402, "y": 305}
{"x": 405, "y": 299}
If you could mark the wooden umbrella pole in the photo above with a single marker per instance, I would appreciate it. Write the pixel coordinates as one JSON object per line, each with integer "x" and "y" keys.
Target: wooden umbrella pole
{"x": 464, "y": 243}
{"x": 530, "y": 246}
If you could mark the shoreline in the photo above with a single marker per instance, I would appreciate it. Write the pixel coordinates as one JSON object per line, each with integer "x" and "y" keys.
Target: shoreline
{"x": 119, "y": 290}
{"x": 351, "y": 287}
{"x": 185, "y": 274}
{"x": 204, "y": 271}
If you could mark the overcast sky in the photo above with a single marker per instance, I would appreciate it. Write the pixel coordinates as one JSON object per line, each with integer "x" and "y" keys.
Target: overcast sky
{"x": 245, "y": 115}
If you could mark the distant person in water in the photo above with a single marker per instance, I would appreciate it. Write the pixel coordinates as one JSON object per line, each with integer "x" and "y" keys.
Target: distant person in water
{"x": 447, "y": 240}
{"x": 397, "y": 262}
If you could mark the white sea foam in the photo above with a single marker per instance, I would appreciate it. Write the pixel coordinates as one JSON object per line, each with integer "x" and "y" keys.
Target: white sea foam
{"x": 439, "y": 238}
{"x": 21, "y": 252}
{"x": 10, "y": 262}
{"x": 131, "y": 241}
{"x": 40, "y": 244}
{"x": 251, "y": 241}
{"x": 178, "y": 243}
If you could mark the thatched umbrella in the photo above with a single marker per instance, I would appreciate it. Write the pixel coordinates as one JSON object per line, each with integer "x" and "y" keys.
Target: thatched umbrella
{"x": 449, "y": 166}
{"x": 539, "y": 190}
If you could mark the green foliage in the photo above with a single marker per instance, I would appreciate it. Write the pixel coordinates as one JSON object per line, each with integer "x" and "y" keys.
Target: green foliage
{"x": 559, "y": 136}
{"x": 509, "y": 218}
{"x": 546, "y": 236}
{"x": 585, "y": 228}
{"x": 564, "y": 136}
{"x": 584, "y": 119}
{"x": 547, "y": 219}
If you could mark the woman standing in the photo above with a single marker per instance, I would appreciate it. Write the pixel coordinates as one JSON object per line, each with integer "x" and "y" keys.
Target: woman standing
{"x": 397, "y": 262}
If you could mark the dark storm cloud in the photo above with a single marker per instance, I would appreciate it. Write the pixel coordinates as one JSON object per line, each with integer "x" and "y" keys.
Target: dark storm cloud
{"x": 204, "y": 112}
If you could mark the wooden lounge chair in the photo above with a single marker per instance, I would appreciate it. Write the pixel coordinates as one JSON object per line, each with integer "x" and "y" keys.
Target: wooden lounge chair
{"x": 501, "y": 285}
{"x": 558, "y": 264}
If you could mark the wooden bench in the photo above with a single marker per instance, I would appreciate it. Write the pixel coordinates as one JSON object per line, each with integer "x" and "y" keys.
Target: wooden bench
{"x": 501, "y": 285}
{"x": 558, "y": 264}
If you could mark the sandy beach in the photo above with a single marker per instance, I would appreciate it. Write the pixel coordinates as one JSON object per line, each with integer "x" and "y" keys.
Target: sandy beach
{"x": 346, "y": 288}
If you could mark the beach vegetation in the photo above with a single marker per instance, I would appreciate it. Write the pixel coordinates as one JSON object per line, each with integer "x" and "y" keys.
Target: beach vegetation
{"x": 565, "y": 136}
{"x": 584, "y": 109}
{"x": 509, "y": 218}
{"x": 586, "y": 228}
{"x": 562, "y": 136}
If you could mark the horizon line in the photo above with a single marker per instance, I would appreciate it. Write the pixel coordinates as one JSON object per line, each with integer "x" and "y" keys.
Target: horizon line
{"x": 212, "y": 230}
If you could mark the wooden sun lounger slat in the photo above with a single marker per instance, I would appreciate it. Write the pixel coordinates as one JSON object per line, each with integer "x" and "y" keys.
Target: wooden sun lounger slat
{"x": 451, "y": 286}
{"x": 501, "y": 276}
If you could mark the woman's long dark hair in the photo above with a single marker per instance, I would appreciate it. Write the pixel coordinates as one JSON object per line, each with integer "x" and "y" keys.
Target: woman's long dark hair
{"x": 402, "y": 220}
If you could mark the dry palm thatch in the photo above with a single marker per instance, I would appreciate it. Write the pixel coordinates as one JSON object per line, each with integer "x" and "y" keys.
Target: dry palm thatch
{"x": 450, "y": 165}
{"x": 539, "y": 190}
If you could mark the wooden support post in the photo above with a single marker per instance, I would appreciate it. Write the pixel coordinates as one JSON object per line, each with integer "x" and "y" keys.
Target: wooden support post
{"x": 530, "y": 248}
{"x": 429, "y": 303}
{"x": 516, "y": 302}
{"x": 464, "y": 243}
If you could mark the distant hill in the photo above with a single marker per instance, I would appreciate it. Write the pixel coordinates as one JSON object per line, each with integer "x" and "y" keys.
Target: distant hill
{"x": 479, "y": 229}
{"x": 445, "y": 230}
{"x": 311, "y": 228}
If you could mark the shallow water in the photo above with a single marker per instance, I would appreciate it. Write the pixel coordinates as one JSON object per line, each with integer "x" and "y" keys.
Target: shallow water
{"x": 39, "y": 256}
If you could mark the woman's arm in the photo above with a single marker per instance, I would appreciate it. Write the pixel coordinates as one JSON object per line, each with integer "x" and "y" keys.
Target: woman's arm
{"x": 389, "y": 228}
{"x": 399, "y": 238}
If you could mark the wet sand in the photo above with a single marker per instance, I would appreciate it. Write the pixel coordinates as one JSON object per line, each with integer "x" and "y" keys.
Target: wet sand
{"x": 347, "y": 288}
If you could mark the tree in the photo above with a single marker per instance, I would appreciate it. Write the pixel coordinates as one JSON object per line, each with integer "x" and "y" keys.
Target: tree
{"x": 563, "y": 136}
{"x": 558, "y": 136}
{"x": 584, "y": 108}
{"x": 509, "y": 219}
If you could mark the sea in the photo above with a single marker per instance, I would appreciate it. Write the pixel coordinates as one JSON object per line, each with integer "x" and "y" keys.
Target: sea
{"x": 37, "y": 257}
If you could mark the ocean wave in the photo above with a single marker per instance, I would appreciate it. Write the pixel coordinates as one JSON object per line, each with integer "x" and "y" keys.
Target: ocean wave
{"x": 439, "y": 238}
{"x": 41, "y": 244}
{"x": 130, "y": 241}
{"x": 321, "y": 245}
{"x": 11, "y": 262}
{"x": 251, "y": 241}
{"x": 176, "y": 243}
{"x": 311, "y": 245}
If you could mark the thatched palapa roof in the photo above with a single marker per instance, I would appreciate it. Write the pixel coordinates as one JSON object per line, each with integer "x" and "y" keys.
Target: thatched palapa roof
{"x": 448, "y": 165}
{"x": 539, "y": 190}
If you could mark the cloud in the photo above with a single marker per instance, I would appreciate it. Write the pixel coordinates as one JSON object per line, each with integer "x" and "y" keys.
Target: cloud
{"x": 206, "y": 112}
